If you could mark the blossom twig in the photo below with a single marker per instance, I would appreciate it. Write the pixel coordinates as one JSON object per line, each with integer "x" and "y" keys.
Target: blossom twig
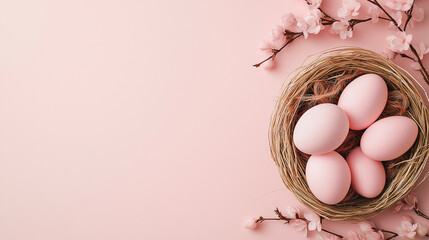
{"x": 287, "y": 220}
{"x": 276, "y": 51}
{"x": 410, "y": 202}
{"x": 409, "y": 15}
{"x": 418, "y": 212}
{"x": 423, "y": 70}
{"x": 316, "y": 20}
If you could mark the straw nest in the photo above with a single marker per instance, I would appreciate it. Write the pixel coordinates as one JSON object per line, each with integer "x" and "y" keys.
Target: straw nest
{"x": 323, "y": 80}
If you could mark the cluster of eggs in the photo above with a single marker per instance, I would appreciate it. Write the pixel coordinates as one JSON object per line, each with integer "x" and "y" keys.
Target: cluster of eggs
{"x": 324, "y": 127}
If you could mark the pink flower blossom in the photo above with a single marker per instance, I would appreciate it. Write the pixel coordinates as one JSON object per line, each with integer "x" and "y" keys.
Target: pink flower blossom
{"x": 311, "y": 23}
{"x": 341, "y": 28}
{"x": 399, "y": 42}
{"x": 398, "y": 18}
{"x": 278, "y": 33}
{"x": 289, "y": 21}
{"x": 408, "y": 229}
{"x": 292, "y": 212}
{"x": 411, "y": 198}
{"x": 251, "y": 224}
{"x": 422, "y": 230}
{"x": 269, "y": 64}
{"x": 266, "y": 47}
{"x": 314, "y": 221}
{"x": 406, "y": 218}
{"x": 375, "y": 13}
{"x": 354, "y": 236}
{"x": 400, "y": 5}
{"x": 314, "y": 3}
{"x": 349, "y": 9}
{"x": 369, "y": 229}
{"x": 276, "y": 41}
{"x": 416, "y": 66}
{"x": 418, "y": 16}
{"x": 398, "y": 205}
{"x": 366, "y": 226}
{"x": 389, "y": 54}
{"x": 299, "y": 225}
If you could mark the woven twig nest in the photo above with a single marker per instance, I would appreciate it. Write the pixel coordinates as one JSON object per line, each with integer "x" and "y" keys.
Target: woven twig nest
{"x": 323, "y": 80}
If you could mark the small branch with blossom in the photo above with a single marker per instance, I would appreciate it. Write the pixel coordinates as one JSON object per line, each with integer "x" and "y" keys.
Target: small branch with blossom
{"x": 410, "y": 202}
{"x": 310, "y": 221}
{"x": 317, "y": 19}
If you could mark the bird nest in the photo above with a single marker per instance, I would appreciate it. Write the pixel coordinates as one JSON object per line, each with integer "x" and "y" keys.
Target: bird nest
{"x": 322, "y": 81}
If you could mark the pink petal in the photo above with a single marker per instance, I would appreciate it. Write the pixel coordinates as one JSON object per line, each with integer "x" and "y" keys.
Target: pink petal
{"x": 408, "y": 40}
{"x": 398, "y": 207}
{"x": 418, "y": 14}
{"x": 421, "y": 230}
{"x": 265, "y": 46}
{"x": 380, "y": 233}
{"x": 312, "y": 216}
{"x": 366, "y": 226}
{"x": 411, "y": 198}
{"x": 289, "y": 21}
{"x": 416, "y": 66}
{"x": 251, "y": 224}
{"x": 411, "y": 234}
{"x": 406, "y": 218}
{"x": 312, "y": 226}
{"x": 292, "y": 212}
{"x": 268, "y": 65}
{"x": 299, "y": 225}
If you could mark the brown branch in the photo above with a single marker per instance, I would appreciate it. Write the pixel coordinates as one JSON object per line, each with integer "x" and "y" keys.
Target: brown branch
{"x": 275, "y": 51}
{"x": 423, "y": 69}
{"x": 409, "y": 15}
{"x": 353, "y": 22}
{"x": 330, "y": 20}
{"x": 335, "y": 234}
{"x": 326, "y": 15}
{"x": 376, "y": 3}
{"x": 420, "y": 213}
{"x": 296, "y": 35}
{"x": 407, "y": 56}
{"x": 281, "y": 217}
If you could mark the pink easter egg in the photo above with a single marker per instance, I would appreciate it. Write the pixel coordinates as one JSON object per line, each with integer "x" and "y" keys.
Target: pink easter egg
{"x": 363, "y": 100}
{"x": 321, "y": 129}
{"x": 389, "y": 138}
{"x": 328, "y": 177}
{"x": 368, "y": 175}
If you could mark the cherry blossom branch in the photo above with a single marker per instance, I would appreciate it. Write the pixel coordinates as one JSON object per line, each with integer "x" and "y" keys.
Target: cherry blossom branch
{"x": 407, "y": 56}
{"x": 423, "y": 70}
{"x": 376, "y": 3}
{"x": 353, "y": 22}
{"x": 409, "y": 14}
{"x": 420, "y": 213}
{"x": 281, "y": 217}
{"x": 276, "y": 51}
{"x": 410, "y": 202}
{"x": 294, "y": 35}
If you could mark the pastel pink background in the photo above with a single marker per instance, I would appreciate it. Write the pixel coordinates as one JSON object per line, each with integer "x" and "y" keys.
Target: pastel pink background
{"x": 145, "y": 120}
